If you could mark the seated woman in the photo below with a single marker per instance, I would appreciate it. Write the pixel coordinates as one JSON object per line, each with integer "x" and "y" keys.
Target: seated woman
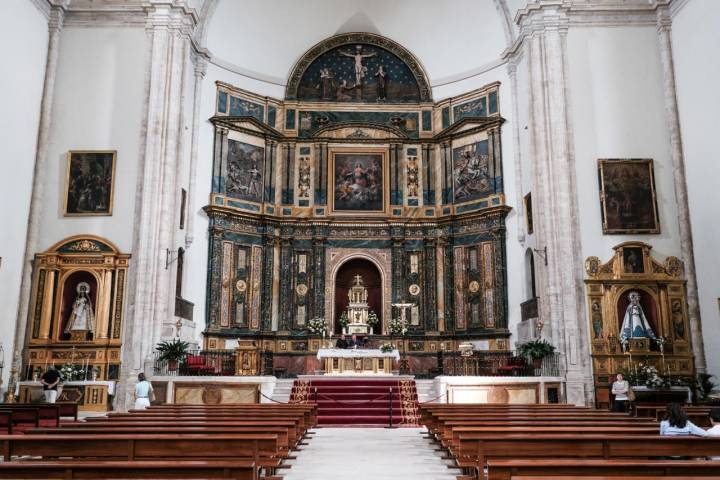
{"x": 676, "y": 423}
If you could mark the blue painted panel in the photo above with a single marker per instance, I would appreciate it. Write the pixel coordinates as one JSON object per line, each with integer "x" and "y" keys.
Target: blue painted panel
{"x": 445, "y": 117}
{"x": 446, "y": 210}
{"x": 475, "y": 108}
{"x": 430, "y": 212}
{"x": 332, "y": 77}
{"x": 412, "y": 151}
{"x": 412, "y": 202}
{"x": 290, "y": 119}
{"x": 304, "y": 203}
{"x": 427, "y": 120}
{"x": 219, "y": 201}
{"x": 243, "y": 238}
{"x": 408, "y": 121}
{"x": 271, "y": 209}
{"x": 472, "y": 239}
{"x": 222, "y": 102}
{"x": 397, "y": 211}
{"x": 302, "y": 244}
{"x": 240, "y": 107}
{"x": 492, "y": 101}
{"x": 287, "y": 211}
{"x": 272, "y": 114}
{"x": 304, "y": 150}
{"x": 243, "y": 205}
{"x": 319, "y": 211}
{"x": 413, "y": 244}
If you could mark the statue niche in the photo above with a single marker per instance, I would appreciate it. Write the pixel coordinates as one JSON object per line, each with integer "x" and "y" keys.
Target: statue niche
{"x": 79, "y": 314}
{"x": 358, "y": 295}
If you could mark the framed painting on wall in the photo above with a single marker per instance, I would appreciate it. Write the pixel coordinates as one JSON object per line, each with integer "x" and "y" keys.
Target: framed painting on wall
{"x": 627, "y": 196}
{"x": 359, "y": 181}
{"x": 90, "y": 182}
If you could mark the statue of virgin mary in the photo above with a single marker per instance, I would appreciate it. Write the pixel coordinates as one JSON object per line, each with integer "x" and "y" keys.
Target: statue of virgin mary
{"x": 635, "y": 324}
{"x": 82, "y": 317}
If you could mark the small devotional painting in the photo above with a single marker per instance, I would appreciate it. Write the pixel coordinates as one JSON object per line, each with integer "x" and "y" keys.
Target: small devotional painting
{"x": 473, "y": 173}
{"x": 627, "y": 196}
{"x": 89, "y": 183}
{"x": 245, "y": 165}
{"x": 358, "y": 180}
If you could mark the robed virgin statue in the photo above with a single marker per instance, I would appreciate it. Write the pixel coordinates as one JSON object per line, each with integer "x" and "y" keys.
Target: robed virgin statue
{"x": 635, "y": 324}
{"x": 82, "y": 317}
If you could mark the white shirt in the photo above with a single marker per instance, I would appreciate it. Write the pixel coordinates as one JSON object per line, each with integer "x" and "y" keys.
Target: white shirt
{"x": 142, "y": 389}
{"x": 620, "y": 389}
{"x": 689, "y": 429}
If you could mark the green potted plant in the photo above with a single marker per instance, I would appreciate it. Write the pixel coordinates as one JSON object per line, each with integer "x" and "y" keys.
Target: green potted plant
{"x": 172, "y": 351}
{"x": 536, "y": 350}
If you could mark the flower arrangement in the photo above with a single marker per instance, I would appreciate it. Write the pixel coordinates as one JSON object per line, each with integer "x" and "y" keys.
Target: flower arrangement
{"x": 397, "y": 327}
{"x": 344, "y": 320}
{"x": 646, "y": 375}
{"x": 70, "y": 372}
{"x": 387, "y": 347}
{"x": 317, "y": 326}
{"x": 372, "y": 319}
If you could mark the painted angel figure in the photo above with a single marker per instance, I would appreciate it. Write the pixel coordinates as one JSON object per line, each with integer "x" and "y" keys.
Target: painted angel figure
{"x": 358, "y": 56}
{"x": 635, "y": 324}
{"x": 82, "y": 317}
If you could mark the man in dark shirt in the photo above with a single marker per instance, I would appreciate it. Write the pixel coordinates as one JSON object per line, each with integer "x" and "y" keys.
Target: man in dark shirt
{"x": 341, "y": 342}
{"x": 355, "y": 342}
{"x": 50, "y": 380}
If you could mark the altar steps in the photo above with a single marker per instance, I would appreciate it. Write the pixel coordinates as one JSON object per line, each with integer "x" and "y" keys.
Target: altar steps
{"x": 359, "y": 401}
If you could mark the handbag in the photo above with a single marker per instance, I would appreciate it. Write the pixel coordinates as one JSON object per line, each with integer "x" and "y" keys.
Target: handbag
{"x": 631, "y": 394}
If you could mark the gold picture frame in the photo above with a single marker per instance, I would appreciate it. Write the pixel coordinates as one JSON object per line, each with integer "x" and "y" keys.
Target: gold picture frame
{"x": 628, "y": 200}
{"x": 347, "y": 156}
{"x": 88, "y": 190}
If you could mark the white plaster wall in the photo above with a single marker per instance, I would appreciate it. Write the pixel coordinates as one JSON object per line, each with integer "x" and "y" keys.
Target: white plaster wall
{"x": 437, "y": 33}
{"x": 618, "y": 111}
{"x": 98, "y": 105}
{"x": 22, "y": 88}
{"x": 696, "y": 35}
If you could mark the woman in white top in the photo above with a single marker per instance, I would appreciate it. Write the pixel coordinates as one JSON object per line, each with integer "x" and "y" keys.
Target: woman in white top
{"x": 620, "y": 389}
{"x": 143, "y": 392}
{"x": 676, "y": 423}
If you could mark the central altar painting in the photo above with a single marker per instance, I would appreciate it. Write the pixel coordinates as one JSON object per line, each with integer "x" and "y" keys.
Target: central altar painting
{"x": 358, "y": 182}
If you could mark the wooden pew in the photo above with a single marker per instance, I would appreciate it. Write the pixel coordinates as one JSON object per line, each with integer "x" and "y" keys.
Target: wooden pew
{"x": 476, "y": 449}
{"x": 188, "y": 470}
{"x": 263, "y": 449}
{"x": 580, "y": 468}
{"x": 24, "y": 416}
{"x": 6, "y": 422}
{"x": 45, "y": 411}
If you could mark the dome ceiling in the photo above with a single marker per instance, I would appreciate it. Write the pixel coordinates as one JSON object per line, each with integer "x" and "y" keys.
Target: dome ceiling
{"x": 265, "y": 38}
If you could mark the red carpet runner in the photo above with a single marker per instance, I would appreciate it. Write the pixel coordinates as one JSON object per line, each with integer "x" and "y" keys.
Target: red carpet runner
{"x": 359, "y": 401}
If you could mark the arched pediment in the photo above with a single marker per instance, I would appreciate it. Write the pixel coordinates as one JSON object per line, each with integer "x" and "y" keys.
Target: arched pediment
{"x": 347, "y": 68}
{"x": 360, "y": 131}
{"x": 84, "y": 244}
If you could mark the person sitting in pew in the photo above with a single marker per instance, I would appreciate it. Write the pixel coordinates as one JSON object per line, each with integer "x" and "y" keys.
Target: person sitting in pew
{"x": 714, "y": 431}
{"x": 676, "y": 423}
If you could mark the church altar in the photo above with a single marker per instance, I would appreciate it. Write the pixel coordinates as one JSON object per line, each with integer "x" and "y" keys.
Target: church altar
{"x": 357, "y": 362}
{"x": 90, "y": 395}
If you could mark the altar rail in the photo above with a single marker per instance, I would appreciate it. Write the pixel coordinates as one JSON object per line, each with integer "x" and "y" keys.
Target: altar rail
{"x": 496, "y": 364}
{"x": 210, "y": 363}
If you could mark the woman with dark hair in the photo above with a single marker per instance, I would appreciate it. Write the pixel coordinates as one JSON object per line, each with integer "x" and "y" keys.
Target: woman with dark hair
{"x": 143, "y": 392}
{"x": 676, "y": 423}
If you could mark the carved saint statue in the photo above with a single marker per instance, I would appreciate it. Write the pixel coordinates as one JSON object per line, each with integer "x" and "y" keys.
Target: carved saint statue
{"x": 635, "y": 324}
{"x": 82, "y": 317}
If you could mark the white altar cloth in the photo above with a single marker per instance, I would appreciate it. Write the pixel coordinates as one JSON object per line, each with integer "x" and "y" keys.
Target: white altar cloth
{"x": 356, "y": 353}
{"x": 109, "y": 383}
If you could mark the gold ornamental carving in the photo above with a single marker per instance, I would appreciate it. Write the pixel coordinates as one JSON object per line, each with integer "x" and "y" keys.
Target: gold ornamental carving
{"x": 241, "y": 286}
{"x": 414, "y": 289}
{"x": 301, "y": 289}
{"x": 474, "y": 286}
{"x": 83, "y": 246}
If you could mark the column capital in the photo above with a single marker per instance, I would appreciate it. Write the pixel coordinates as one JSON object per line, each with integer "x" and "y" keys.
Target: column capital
{"x": 664, "y": 19}
{"x": 201, "y": 64}
{"x": 170, "y": 15}
{"x": 56, "y": 18}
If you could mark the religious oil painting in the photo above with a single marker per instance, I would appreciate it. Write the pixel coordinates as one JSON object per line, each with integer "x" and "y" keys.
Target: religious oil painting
{"x": 627, "y": 196}
{"x": 358, "y": 182}
{"x": 245, "y": 165}
{"x": 89, "y": 183}
{"x": 473, "y": 172}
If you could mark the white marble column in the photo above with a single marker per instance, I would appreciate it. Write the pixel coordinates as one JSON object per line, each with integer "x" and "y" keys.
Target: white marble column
{"x": 200, "y": 71}
{"x": 151, "y": 301}
{"x": 37, "y": 203}
{"x": 517, "y": 154}
{"x": 664, "y": 24}
{"x": 561, "y": 286}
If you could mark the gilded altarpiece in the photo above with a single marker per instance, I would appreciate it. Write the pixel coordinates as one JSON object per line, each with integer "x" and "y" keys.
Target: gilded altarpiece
{"x": 349, "y": 178}
{"x": 659, "y": 288}
{"x": 76, "y": 314}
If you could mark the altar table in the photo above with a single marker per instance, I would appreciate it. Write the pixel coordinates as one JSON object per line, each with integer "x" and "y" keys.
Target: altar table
{"x": 357, "y": 361}
{"x": 90, "y": 395}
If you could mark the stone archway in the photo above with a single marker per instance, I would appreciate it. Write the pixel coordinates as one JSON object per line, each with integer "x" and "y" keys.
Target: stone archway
{"x": 336, "y": 257}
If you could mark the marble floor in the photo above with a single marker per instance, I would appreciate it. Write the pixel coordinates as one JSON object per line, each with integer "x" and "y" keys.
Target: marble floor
{"x": 369, "y": 453}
